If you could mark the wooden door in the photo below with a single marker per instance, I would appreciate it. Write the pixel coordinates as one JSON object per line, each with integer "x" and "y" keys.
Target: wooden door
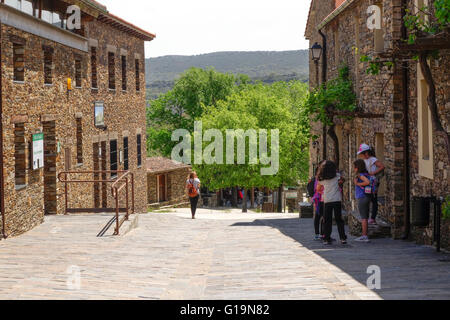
{"x": 162, "y": 186}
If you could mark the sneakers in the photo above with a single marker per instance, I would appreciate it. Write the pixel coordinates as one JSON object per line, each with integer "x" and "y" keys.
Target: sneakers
{"x": 344, "y": 242}
{"x": 363, "y": 239}
{"x": 318, "y": 238}
{"x": 372, "y": 222}
{"x": 327, "y": 243}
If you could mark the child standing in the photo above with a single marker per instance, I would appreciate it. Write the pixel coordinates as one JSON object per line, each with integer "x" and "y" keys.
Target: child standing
{"x": 374, "y": 168}
{"x": 332, "y": 198}
{"x": 362, "y": 181}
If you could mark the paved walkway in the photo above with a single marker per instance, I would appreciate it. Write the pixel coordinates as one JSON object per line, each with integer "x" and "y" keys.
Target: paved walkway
{"x": 221, "y": 255}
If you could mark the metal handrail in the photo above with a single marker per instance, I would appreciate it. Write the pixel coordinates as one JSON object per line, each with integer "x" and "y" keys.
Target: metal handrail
{"x": 125, "y": 179}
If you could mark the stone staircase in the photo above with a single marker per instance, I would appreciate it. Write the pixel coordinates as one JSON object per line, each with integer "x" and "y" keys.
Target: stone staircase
{"x": 381, "y": 230}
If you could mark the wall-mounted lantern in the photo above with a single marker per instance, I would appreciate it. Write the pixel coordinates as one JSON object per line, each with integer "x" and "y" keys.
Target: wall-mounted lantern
{"x": 316, "y": 52}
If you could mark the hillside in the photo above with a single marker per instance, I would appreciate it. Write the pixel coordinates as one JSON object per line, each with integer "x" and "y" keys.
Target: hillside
{"x": 267, "y": 66}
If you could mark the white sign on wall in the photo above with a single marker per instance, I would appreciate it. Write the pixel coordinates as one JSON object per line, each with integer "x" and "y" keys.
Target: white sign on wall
{"x": 38, "y": 151}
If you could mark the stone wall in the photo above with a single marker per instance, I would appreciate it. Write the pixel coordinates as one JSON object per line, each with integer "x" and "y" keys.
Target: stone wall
{"x": 176, "y": 186}
{"x": 383, "y": 94}
{"x": 39, "y": 107}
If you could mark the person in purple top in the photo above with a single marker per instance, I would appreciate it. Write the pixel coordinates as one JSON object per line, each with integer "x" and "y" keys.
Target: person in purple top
{"x": 362, "y": 180}
{"x": 318, "y": 206}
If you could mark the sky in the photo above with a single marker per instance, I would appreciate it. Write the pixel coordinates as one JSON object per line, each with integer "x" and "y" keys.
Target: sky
{"x": 190, "y": 27}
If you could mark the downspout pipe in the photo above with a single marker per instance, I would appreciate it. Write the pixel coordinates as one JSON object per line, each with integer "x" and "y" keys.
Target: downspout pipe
{"x": 2, "y": 181}
{"x": 406, "y": 148}
{"x": 324, "y": 81}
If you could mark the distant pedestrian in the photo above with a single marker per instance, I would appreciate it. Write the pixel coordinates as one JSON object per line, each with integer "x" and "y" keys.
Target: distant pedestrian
{"x": 193, "y": 191}
{"x": 376, "y": 169}
{"x": 332, "y": 197}
{"x": 362, "y": 181}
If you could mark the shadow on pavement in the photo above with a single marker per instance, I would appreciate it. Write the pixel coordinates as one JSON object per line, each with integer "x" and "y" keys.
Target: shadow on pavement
{"x": 408, "y": 271}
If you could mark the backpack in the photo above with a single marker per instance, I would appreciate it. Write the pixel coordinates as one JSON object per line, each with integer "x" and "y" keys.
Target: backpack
{"x": 372, "y": 187}
{"x": 310, "y": 187}
{"x": 192, "y": 190}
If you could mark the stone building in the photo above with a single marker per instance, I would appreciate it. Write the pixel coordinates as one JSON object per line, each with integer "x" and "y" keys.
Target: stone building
{"x": 400, "y": 128}
{"x": 166, "y": 181}
{"x": 81, "y": 89}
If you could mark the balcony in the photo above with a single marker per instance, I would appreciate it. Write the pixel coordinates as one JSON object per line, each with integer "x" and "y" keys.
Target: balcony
{"x": 51, "y": 25}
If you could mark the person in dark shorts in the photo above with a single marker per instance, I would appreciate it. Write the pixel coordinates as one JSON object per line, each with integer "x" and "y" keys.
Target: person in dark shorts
{"x": 193, "y": 191}
{"x": 363, "y": 199}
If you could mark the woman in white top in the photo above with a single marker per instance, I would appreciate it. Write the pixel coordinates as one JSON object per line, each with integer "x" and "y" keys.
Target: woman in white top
{"x": 332, "y": 198}
{"x": 193, "y": 191}
{"x": 375, "y": 167}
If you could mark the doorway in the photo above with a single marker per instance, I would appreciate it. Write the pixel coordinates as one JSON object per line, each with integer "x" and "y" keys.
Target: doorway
{"x": 162, "y": 188}
{"x": 50, "y": 152}
{"x": 96, "y": 167}
{"x": 100, "y": 188}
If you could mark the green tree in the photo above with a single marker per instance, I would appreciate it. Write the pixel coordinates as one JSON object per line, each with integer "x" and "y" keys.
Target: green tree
{"x": 278, "y": 106}
{"x": 187, "y": 101}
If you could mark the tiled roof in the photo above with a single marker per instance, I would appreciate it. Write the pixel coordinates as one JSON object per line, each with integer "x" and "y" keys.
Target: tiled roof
{"x": 161, "y": 165}
{"x": 101, "y": 12}
{"x": 341, "y": 5}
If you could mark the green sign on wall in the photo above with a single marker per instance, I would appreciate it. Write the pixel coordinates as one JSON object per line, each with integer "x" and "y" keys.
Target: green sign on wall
{"x": 38, "y": 151}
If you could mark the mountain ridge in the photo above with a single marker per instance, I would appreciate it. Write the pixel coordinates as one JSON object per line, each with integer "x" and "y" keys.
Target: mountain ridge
{"x": 266, "y": 66}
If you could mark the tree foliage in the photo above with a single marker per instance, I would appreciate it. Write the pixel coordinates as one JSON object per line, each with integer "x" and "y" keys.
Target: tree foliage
{"x": 195, "y": 90}
{"x": 278, "y": 106}
{"x": 335, "y": 95}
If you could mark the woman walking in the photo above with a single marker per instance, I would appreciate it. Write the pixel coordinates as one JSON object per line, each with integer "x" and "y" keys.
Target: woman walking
{"x": 362, "y": 181}
{"x": 375, "y": 168}
{"x": 332, "y": 198}
{"x": 193, "y": 191}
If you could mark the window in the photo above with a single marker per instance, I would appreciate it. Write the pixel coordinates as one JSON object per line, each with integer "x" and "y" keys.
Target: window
{"x": 94, "y": 68}
{"x": 113, "y": 157}
{"x": 420, "y": 4}
{"x": 379, "y": 34}
{"x": 48, "y": 66}
{"x": 13, "y": 3}
{"x": 78, "y": 72}
{"x": 425, "y": 131}
{"x": 67, "y": 159}
{"x": 79, "y": 141}
{"x": 139, "y": 150}
{"x": 124, "y": 73}
{"x": 425, "y": 120}
{"x": 126, "y": 165}
{"x": 99, "y": 114}
{"x": 138, "y": 80}
{"x": 19, "y": 155}
{"x": 112, "y": 70}
{"x": 19, "y": 62}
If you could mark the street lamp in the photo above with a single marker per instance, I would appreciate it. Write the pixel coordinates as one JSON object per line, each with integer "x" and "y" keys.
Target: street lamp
{"x": 316, "y": 53}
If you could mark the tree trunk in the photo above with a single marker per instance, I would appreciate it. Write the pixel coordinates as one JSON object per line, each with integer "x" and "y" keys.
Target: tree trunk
{"x": 252, "y": 198}
{"x": 234, "y": 198}
{"x": 332, "y": 134}
{"x": 280, "y": 200}
{"x": 437, "y": 125}
{"x": 244, "y": 200}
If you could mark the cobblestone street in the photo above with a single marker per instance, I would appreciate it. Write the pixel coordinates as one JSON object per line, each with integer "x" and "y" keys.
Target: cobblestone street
{"x": 221, "y": 255}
